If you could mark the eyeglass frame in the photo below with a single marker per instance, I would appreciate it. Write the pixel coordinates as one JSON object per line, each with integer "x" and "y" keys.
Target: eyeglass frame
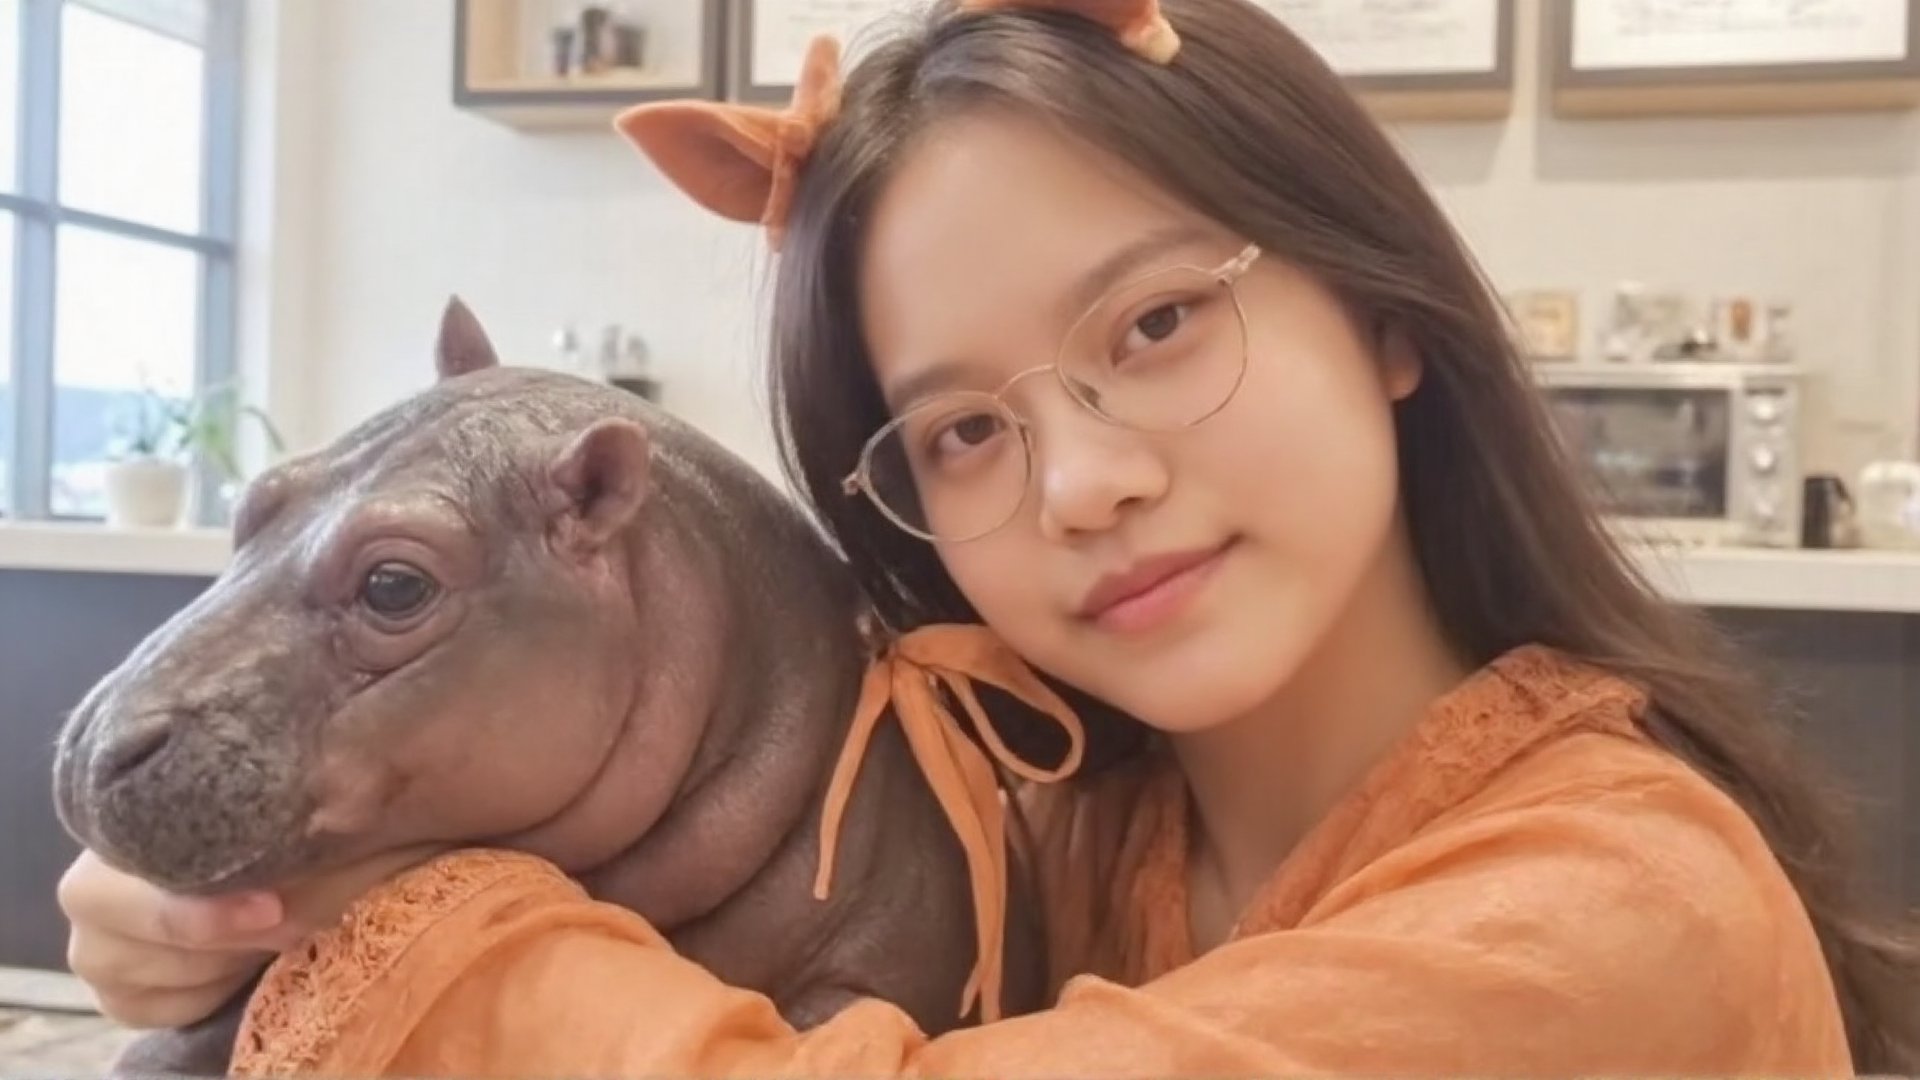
{"x": 1227, "y": 274}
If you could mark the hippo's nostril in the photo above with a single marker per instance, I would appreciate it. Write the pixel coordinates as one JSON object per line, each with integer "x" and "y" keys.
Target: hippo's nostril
{"x": 128, "y": 753}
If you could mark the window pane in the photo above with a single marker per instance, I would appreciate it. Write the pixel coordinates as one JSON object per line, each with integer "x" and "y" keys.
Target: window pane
{"x": 183, "y": 19}
{"x": 126, "y": 319}
{"x": 9, "y": 97}
{"x": 132, "y": 124}
{"x": 7, "y": 400}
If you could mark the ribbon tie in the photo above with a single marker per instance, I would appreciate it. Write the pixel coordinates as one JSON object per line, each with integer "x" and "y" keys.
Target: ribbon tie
{"x": 908, "y": 674}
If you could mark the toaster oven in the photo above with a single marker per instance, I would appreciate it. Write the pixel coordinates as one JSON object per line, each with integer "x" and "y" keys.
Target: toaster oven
{"x": 1689, "y": 452}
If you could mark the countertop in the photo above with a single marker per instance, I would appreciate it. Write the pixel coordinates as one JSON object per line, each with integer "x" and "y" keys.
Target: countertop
{"x": 1849, "y": 580}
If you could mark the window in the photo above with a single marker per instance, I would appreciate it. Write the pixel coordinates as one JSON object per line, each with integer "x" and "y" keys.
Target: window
{"x": 118, "y": 122}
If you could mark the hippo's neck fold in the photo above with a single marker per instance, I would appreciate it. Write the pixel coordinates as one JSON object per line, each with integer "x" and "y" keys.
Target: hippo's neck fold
{"x": 773, "y": 705}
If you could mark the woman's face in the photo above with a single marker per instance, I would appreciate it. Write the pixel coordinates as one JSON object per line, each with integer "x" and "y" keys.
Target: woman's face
{"x": 1181, "y": 575}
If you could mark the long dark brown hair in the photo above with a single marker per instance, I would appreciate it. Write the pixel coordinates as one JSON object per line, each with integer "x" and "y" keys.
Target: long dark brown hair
{"x": 1250, "y": 127}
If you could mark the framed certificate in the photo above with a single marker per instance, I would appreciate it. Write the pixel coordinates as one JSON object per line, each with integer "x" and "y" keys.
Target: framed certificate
{"x": 1413, "y": 59}
{"x": 1617, "y": 57}
{"x": 767, "y": 39}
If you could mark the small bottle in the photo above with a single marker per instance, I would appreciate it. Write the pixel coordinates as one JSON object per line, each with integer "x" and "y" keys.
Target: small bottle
{"x": 596, "y": 53}
{"x": 629, "y": 38}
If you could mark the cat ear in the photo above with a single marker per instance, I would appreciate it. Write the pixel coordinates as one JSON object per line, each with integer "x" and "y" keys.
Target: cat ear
{"x": 1137, "y": 23}
{"x": 720, "y": 155}
{"x": 741, "y": 161}
{"x": 462, "y": 346}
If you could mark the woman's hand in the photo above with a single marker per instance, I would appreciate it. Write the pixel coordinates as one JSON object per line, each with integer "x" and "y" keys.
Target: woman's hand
{"x": 156, "y": 960}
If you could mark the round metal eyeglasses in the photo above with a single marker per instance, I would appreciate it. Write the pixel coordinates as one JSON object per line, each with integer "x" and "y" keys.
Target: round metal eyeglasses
{"x": 1160, "y": 353}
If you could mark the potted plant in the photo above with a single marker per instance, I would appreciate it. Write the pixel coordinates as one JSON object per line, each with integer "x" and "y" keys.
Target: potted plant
{"x": 209, "y": 426}
{"x": 147, "y": 485}
{"x": 147, "y": 482}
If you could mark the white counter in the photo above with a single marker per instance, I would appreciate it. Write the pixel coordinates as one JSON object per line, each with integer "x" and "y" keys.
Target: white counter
{"x": 1884, "y": 581}
{"x": 1793, "y": 580}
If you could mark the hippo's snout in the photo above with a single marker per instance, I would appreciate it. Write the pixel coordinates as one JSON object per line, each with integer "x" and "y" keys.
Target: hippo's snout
{"x": 191, "y": 799}
{"x": 122, "y": 758}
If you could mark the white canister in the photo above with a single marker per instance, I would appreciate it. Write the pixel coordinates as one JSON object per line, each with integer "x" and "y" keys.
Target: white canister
{"x": 1889, "y": 504}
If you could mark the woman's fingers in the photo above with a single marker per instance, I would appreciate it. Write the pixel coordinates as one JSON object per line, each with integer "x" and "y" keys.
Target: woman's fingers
{"x": 157, "y": 960}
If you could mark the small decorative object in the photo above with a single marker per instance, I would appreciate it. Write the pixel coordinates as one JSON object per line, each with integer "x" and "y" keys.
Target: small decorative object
{"x": 1748, "y": 329}
{"x": 596, "y": 51}
{"x": 1673, "y": 333}
{"x": 1828, "y": 518}
{"x": 629, "y": 40}
{"x": 1549, "y": 323}
{"x": 567, "y": 343}
{"x": 1647, "y": 324}
{"x": 1890, "y": 505}
{"x": 1624, "y": 336}
{"x": 563, "y": 45}
{"x": 1779, "y": 348}
{"x": 633, "y": 373}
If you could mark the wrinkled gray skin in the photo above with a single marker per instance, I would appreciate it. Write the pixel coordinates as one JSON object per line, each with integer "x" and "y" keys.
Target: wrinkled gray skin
{"x": 531, "y": 611}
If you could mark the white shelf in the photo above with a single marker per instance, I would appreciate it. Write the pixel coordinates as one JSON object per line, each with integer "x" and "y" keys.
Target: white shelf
{"x": 97, "y": 549}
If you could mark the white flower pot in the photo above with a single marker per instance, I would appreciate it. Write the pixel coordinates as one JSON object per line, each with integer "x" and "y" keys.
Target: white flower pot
{"x": 146, "y": 493}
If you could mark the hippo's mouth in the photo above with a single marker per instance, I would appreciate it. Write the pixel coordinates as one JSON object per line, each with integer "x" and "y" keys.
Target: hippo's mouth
{"x": 195, "y": 808}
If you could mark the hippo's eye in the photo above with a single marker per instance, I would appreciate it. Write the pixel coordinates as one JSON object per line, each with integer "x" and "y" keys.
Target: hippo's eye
{"x": 396, "y": 591}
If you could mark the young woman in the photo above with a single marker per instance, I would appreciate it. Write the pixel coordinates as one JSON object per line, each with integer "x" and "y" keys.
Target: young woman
{"x": 1132, "y": 339}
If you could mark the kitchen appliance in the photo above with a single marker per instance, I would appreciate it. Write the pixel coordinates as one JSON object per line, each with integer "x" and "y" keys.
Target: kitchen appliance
{"x": 1697, "y": 453}
{"x": 1828, "y": 518}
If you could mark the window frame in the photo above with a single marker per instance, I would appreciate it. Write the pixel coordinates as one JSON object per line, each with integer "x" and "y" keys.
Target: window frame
{"x": 37, "y": 213}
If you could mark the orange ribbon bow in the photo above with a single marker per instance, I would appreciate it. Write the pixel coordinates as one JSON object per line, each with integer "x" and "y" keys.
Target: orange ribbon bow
{"x": 907, "y": 675}
{"x": 1137, "y": 23}
{"x": 741, "y": 161}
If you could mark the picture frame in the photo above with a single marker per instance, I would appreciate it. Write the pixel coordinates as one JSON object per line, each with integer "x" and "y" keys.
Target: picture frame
{"x": 1476, "y": 83}
{"x": 1546, "y": 321}
{"x": 1606, "y": 59}
{"x": 1480, "y": 90}
{"x": 776, "y": 32}
{"x": 493, "y": 46}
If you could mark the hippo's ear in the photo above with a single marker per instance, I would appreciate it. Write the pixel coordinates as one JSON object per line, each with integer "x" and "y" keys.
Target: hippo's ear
{"x": 463, "y": 344}
{"x": 602, "y": 477}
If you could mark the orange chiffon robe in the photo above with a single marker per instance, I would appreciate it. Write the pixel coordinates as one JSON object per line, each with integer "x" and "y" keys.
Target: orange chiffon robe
{"x": 1526, "y": 886}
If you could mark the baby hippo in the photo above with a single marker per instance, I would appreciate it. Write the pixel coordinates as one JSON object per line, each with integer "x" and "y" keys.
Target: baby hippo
{"x": 529, "y": 611}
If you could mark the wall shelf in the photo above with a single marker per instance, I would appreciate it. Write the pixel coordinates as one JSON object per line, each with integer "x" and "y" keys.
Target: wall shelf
{"x": 502, "y": 59}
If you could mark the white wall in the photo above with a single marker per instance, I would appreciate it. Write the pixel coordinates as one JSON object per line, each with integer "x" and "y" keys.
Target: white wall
{"x": 390, "y": 199}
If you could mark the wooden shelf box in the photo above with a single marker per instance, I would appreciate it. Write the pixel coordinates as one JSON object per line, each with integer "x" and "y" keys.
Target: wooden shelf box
{"x": 504, "y": 55}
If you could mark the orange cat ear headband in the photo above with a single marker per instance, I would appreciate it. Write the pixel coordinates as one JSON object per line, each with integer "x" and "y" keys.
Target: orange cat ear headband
{"x": 1137, "y": 23}
{"x": 741, "y": 161}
